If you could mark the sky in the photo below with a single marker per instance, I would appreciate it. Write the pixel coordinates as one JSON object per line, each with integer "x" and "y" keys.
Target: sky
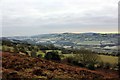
{"x": 31, "y": 17}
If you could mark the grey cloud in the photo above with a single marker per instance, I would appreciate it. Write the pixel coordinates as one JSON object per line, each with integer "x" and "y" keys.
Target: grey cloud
{"x": 50, "y": 15}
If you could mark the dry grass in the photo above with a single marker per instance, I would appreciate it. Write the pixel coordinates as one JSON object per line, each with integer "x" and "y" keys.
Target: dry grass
{"x": 16, "y": 65}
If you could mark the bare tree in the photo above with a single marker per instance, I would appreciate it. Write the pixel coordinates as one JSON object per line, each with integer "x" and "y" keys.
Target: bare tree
{"x": 87, "y": 56}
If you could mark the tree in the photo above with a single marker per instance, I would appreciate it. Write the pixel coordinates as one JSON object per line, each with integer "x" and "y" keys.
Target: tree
{"x": 52, "y": 56}
{"x": 87, "y": 56}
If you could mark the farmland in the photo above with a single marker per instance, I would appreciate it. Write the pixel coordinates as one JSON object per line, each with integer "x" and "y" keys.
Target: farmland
{"x": 50, "y": 55}
{"x": 109, "y": 59}
{"x": 104, "y": 58}
{"x": 103, "y": 43}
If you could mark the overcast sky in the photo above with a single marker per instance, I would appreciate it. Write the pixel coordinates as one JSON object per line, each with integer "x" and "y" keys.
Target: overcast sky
{"x": 30, "y": 17}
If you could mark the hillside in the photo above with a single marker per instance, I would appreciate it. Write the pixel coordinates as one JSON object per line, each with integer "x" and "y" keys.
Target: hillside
{"x": 102, "y": 43}
{"x": 21, "y": 66}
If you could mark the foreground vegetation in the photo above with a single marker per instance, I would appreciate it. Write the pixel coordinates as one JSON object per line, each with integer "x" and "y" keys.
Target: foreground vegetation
{"x": 80, "y": 58}
{"x": 16, "y": 66}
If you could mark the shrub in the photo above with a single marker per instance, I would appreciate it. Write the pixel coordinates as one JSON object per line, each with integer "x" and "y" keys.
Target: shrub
{"x": 3, "y": 48}
{"x": 101, "y": 64}
{"x": 39, "y": 55}
{"x": 107, "y": 66}
{"x": 8, "y": 49}
{"x": 97, "y": 65}
{"x": 16, "y": 50}
{"x": 87, "y": 57}
{"x": 74, "y": 61}
{"x": 52, "y": 56}
{"x": 26, "y": 53}
{"x": 69, "y": 59}
{"x": 90, "y": 66}
{"x": 33, "y": 54}
{"x": 84, "y": 58}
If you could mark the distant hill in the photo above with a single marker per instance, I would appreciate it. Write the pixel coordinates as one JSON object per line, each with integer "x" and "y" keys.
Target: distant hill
{"x": 94, "y": 41}
{"x": 70, "y": 37}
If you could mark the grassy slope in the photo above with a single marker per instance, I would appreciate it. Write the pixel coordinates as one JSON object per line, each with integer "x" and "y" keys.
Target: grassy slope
{"x": 109, "y": 59}
{"x": 104, "y": 58}
{"x": 20, "y": 66}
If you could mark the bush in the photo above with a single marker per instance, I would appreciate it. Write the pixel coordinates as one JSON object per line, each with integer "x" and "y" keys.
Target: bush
{"x": 26, "y": 53}
{"x": 52, "y": 56}
{"x": 33, "y": 54}
{"x": 8, "y": 49}
{"x": 74, "y": 61}
{"x": 3, "y": 48}
{"x": 107, "y": 66}
{"x": 69, "y": 59}
{"x": 84, "y": 58}
{"x": 90, "y": 66}
{"x": 101, "y": 64}
{"x": 87, "y": 57}
{"x": 16, "y": 50}
{"x": 39, "y": 55}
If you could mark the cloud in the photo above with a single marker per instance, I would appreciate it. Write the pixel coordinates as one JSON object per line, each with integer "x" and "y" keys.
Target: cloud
{"x": 47, "y": 16}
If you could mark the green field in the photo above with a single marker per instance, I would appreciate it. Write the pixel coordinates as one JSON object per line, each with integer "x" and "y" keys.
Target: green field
{"x": 104, "y": 58}
{"x": 89, "y": 43}
{"x": 109, "y": 59}
{"x": 59, "y": 51}
{"x": 40, "y": 52}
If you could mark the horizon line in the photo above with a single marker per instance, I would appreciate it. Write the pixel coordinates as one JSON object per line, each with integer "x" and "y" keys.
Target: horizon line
{"x": 62, "y": 33}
